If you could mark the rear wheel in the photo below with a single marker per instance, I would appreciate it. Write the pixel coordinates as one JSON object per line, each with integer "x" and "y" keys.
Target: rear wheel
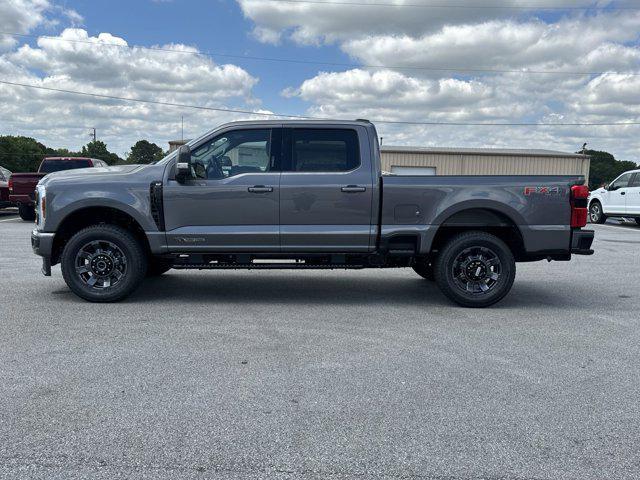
{"x": 475, "y": 269}
{"x": 27, "y": 212}
{"x": 103, "y": 263}
{"x": 596, "y": 215}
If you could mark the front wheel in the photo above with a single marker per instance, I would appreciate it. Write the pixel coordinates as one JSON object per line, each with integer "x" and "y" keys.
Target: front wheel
{"x": 27, "y": 212}
{"x": 475, "y": 269}
{"x": 103, "y": 263}
{"x": 596, "y": 215}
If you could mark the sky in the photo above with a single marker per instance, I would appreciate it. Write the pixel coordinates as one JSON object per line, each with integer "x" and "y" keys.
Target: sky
{"x": 429, "y": 61}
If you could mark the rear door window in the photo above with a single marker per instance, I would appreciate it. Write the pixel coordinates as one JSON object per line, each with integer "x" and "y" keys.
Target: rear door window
{"x": 635, "y": 181}
{"x": 324, "y": 150}
{"x": 50, "y": 166}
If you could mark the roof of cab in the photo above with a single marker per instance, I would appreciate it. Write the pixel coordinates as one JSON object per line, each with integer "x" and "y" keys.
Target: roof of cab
{"x": 69, "y": 158}
{"x": 274, "y": 122}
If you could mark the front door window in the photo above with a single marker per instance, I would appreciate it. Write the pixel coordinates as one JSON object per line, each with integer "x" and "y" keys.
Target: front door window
{"x": 233, "y": 153}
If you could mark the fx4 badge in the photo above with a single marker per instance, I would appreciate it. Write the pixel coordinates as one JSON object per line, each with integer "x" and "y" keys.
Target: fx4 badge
{"x": 542, "y": 191}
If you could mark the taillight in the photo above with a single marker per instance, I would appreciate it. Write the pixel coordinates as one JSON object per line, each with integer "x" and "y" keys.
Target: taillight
{"x": 579, "y": 199}
{"x": 10, "y": 185}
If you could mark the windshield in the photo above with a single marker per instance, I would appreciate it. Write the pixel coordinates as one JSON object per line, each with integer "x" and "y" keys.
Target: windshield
{"x": 50, "y": 166}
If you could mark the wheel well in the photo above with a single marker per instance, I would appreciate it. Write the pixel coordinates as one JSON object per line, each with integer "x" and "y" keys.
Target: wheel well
{"x": 86, "y": 217}
{"x": 594, "y": 201}
{"x": 483, "y": 220}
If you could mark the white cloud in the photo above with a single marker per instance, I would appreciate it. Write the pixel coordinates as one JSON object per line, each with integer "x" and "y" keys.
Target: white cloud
{"x": 315, "y": 23}
{"x": 582, "y": 44}
{"x": 89, "y": 65}
{"x": 509, "y": 98}
{"x": 20, "y": 16}
{"x": 416, "y": 40}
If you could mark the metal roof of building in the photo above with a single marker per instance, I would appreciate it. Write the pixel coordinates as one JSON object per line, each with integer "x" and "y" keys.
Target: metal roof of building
{"x": 513, "y": 152}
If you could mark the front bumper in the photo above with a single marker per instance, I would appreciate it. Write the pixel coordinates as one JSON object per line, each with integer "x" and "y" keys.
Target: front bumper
{"x": 581, "y": 241}
{"x": 42, "y": 244}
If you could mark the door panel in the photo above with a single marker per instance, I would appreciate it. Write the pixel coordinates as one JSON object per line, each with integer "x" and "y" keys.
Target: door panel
{"x": 233, "y": 203}
{"x": 616, "y": 196}
{"x": 324, "y": 210}
{"x": 632, "y": 197}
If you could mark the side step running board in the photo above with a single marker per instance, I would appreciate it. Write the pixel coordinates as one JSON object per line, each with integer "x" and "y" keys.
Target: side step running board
{"x": 262, "y": 266}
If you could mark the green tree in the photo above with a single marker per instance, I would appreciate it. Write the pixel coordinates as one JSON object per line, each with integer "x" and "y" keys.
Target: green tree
{"x": 145, "y": 152}
{"x": 605, "y": 168}
{"x": 21, "y": 154}
{"x": 98, "y": 149}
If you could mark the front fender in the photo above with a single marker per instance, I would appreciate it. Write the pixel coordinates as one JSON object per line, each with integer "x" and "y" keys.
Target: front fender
{"x": 133, "y": 201}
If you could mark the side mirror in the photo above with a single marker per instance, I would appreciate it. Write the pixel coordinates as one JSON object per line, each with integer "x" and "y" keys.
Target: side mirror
{"x": 183, "y": 165}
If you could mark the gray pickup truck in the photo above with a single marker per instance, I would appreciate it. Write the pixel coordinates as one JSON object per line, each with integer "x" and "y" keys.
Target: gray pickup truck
{"x": 303, "y": 195}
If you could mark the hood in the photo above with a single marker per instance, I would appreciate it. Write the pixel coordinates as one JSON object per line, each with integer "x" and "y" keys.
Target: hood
{"x": 92, "y": 174}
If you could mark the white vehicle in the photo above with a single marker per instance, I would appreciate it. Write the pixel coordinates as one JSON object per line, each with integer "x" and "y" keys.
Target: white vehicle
{"x": 621, "y": 198}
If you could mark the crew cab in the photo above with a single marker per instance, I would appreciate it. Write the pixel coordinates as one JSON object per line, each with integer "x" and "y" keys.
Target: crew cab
{"x": 22, "y": 186}
{"x": 301, "y": 195}
{"x": 621, "y": 198}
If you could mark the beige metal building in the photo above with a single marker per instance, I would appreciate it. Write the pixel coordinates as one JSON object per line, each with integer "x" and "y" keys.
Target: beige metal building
{"x": 482, "y": 161}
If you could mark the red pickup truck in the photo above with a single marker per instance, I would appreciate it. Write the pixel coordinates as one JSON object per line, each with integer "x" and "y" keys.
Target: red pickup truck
{"x": 22, "y": 186}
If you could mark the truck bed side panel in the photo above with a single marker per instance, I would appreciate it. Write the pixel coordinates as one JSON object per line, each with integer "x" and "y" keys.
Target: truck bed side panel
{"x": 538, "y": 205}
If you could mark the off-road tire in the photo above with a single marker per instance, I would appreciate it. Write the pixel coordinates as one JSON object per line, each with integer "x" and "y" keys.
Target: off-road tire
{"x": 27, "y": 212}
{"x": 448, "y": 261}
{"x": 596, "y": 215}
{"x": 129, "y": 246}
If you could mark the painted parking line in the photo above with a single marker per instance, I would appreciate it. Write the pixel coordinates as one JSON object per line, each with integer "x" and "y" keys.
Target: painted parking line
{"x": 8, "y": 219}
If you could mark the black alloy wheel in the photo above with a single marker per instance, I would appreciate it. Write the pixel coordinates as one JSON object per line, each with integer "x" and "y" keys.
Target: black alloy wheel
{"x": 103, "y": 263}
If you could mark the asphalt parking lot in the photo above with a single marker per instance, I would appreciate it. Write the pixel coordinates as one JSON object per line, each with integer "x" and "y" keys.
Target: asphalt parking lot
{"x": 330, "y": 374}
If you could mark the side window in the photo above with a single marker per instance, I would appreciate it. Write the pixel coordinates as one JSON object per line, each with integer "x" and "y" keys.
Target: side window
{"x": 621, "y": 182}
{"x": 233, "y": 153}
{"x": 324, "y": 150}
{"x": 635, "y": 181}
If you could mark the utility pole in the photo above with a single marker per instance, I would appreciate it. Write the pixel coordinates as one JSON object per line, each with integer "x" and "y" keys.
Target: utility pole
{"x": 93, "y": 134}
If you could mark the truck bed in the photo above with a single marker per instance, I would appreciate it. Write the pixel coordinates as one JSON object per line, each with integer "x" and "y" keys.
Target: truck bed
{"x": 538, "y": 205}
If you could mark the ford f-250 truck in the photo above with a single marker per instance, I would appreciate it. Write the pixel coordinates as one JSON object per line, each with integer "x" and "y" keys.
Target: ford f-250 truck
{"x": 22, "y": 186}
{"x": 301, "y": 194}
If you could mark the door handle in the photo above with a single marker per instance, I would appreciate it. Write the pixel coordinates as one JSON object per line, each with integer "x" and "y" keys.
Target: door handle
{"x": 353, "y": 189}
{"x": 260, "y": 189}
{"x": 623, "y": 193}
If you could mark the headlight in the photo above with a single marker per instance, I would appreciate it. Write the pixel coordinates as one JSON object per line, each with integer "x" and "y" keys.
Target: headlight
{"x": 41, "y": 205}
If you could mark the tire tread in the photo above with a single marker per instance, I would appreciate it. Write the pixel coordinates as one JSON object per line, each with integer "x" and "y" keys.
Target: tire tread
{"x": 137, "y": 264}
{"x": 451, "y": 291}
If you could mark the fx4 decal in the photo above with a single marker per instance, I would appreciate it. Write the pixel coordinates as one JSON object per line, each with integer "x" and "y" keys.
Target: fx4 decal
{"x": 542, "y": 191}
